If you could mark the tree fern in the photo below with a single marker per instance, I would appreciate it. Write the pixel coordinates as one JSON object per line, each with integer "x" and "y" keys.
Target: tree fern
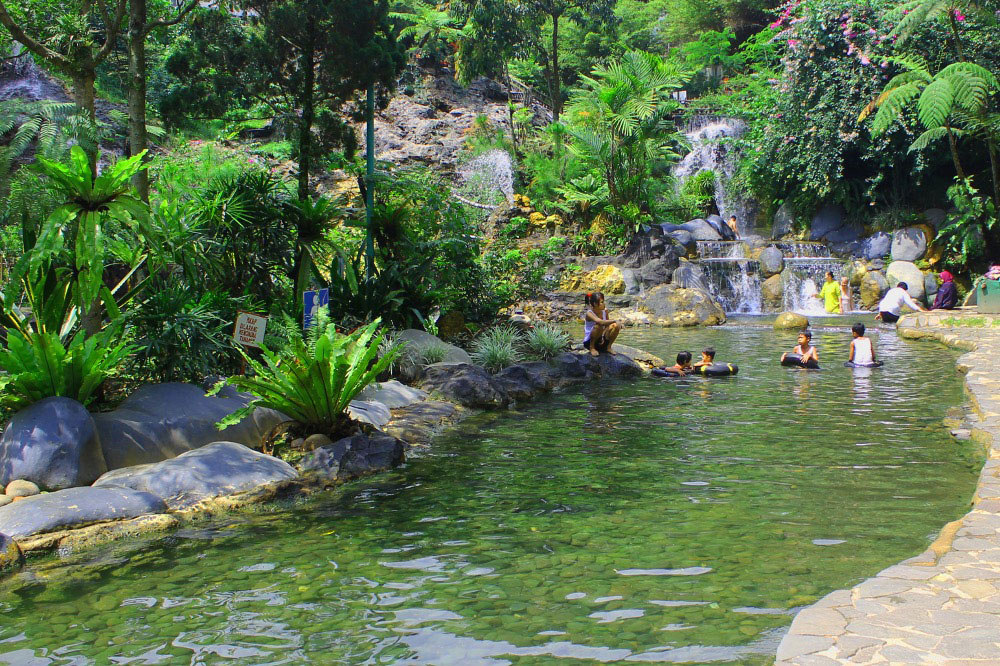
{"x": 930, "y": 136}
{"x": 935, "y": 103}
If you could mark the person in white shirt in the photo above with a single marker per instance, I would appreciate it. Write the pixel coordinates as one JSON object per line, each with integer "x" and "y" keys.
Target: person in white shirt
{"x": 892, "y": 303}
{"x": 862, "y": 350}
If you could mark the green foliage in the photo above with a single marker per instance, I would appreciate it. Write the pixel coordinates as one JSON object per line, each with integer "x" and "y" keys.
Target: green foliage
{"x": 545, "y": 341}
{"x": 431, "y": 353}
{"x": 698, "y": 192}
{"x": 516, "y": 228}
{"x": 497, "y": 348}
{"x": 975, "y": 216}
{"x": 313, "y": 384}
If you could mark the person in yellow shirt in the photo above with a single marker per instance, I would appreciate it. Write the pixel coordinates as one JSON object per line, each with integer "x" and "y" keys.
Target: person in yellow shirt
{"x": 830, "y": 293}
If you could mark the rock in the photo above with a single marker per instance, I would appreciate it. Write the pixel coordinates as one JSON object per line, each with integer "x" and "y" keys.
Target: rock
{"x": 827, "y": 220}
{"x": 468, "y": 385}
{"x": 325, "y": 461}
{"x": 936, "y": 217}
{"x": 721, "y": 227}
{"x": 618, "y": 366}
{"x": 392, "y": 394}
{"x": 856, "y": 271}
{"x": 877, "y": 245}
{"x": 315, "y": 441}
{"x": 909, "y": 244}
{"x": 701, "y": 230}
{"x": 21, "y": 488}
{"x": 772, "y": 261}
{"x": 523, "y": 381}
{"x": 846, "y": 238}
{"x": 520, "y": 320}
{"x": 905, "y": 271}
{"x": 673, "y": 305}
{"x": 219, "y": 468}
{"x": 451, "y": 324}
{"x": 631, "y": 317}
{"x": 772, "y": 291}
{"x": 605, "y": 278}
{"x": 643, "y": 358}
{"x": 368, "y": 454}
{"x": 417, "y": 340}
{"x": 52, "y": 443}
{"x": 75, "y": 507}
{"x": 10, "y": 553}
{"x": 372, "y": 412}
{"x": 689, "y": 276}
{"x": 633, "y": 283}
{"x": 574, "y": 365}
{"x": 5, "y": 500}
{"x": 873, "y": 288}
{"x": 685, "y": 239}
{"x": 643, "y": 246}
{"x": 162, "y": 421}
{"x": 783, "y": 222}
{"x": 930, "y": 286}
{"x": 658, "y": 271}
{"x": 791, "y": 320}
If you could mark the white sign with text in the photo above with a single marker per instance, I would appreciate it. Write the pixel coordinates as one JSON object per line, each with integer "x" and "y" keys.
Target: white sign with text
{"x": 249, "y": 330}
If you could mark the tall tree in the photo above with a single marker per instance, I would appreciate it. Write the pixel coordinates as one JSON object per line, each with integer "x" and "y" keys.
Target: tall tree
{"x": 73, "y": 37}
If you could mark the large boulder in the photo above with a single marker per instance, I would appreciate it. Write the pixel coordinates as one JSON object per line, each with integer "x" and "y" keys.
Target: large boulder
{"x": 657, "y": 271}
{"x": 651, "y": 244}
{"x": 826, "y": 221}
{"x": 672, "y": 305}
{"x": 936, "y": 217}
{"x": 10, "y": 553}
{"x": 605, "y": 278}
{"x": 701, "y": 230}
{"x": 930, "y": 286}
{"x": 392, "y": 394}
{"x": 75, "y": 507}
{"x": 220, "y": 468}
{"x": 372, "y": 412}
{"x": 772, "y": 261}
{"x": 873, "y": 288}
{"x": 618, "y": 366}
{"x": 721, "y": 227}
{"x": 689, "y": 276}
{"x": 846, "y": 238}
{"x": 467, "y": 384}
{"x": 772, "y": 292}
{"x": 416, "y": 340}
{"x": 523, "y": 381}
{"x": 783, "y": 222}
{"x": 161, "y": 421}
{"x": 685, "y": 239}
{"x": 354, "y": 456}
{"x": 52, "y": 443}
{"x": 905, "y": 271}
{"x": 793, "y": 320}
{"x": 633, "y": 281}
{"x": 909, "y": 244}
{"x": 877, "y": 245}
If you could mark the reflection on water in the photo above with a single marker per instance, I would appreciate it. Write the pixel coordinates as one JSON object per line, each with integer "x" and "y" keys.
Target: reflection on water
{"x": 663, "y": 521}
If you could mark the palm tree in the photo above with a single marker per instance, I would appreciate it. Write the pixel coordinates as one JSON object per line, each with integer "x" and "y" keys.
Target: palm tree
{"x": 429, "y": 27}
{"x": 312, "y": 221}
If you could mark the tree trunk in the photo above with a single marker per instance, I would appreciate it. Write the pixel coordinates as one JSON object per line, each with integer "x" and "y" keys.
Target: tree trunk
{"x": 953, "y": 145}
{"x": 137, "y": 139}
{"x": 991, "y": 145}
{"x": 308, "y": 117}
{"x": 83, "y": 97}
{"x": 555, "y": 88}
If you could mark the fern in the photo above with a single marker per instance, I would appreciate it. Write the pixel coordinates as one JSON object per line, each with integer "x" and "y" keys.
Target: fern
{"x": 930, "y": 136}
{"x": 935, "y": 103}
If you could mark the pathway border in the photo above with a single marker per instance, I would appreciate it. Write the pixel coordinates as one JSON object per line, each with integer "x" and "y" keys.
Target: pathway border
{"x": 942, "y": 606}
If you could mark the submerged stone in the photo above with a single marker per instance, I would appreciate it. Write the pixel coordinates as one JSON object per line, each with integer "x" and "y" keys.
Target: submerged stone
{"x": 75, "y": 507}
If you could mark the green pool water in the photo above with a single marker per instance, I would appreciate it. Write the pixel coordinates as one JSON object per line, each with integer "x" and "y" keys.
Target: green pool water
{"x": 658, "y": 521}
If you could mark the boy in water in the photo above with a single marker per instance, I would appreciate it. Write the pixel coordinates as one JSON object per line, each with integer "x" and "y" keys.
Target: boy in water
{"x": 683, "y": 365}
{"x": 862, "y": 349}
{"x": 707, "y": 357}
{"x": 804, "y": 349}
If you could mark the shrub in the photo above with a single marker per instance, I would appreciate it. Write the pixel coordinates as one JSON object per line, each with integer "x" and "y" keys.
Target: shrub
{"x": 432, "y": 353}
{"x": 313, "y": 383}
{"x": 496, "y": 348}
{"x": 544, "y": 341}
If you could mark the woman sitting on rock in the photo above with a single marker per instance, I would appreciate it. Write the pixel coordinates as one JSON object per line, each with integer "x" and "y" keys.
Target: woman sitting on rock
{"x": 947, "y": 295}
{"x": 599, "y": 332}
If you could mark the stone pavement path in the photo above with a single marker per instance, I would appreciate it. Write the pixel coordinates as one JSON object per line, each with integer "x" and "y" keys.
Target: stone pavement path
{"x": 942, "y": 606}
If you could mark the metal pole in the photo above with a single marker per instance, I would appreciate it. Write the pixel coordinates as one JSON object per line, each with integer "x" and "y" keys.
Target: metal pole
{"x": 369, "y": 179}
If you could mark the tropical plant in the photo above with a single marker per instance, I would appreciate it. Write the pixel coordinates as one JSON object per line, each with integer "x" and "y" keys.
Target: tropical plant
{"x": 313, "y": 384}
{"x": 545, "y": 341}
{"x": 430, "y": 28}
{"x": 497, "y": 348}
{"x": 36, "y": 124}
{"x": 312, "y": 220}
{"x": 964, "y": 238}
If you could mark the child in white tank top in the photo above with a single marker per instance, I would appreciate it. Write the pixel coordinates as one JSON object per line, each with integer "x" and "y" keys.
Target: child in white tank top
{"x": 862, "y": 349}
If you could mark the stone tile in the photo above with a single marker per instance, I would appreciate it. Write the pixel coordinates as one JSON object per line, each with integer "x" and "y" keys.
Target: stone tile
{"x": 972, "y": 543}
{"x": 902, "y": 655}
{"x": 964, "y": 620}
{"x": 835, "y": 598}
{"x": 881, "y": 587}
{"x": 819, "y": 622}
{"x": 976, "y": 589}
{"x": 907, "y": 573}
{"x": 815, "y": 660}
{"x": 975, "y": 573}
{"x": 847, "y": 646}
{"x": 796, "y": 646}
{"x": 962, "y": 647}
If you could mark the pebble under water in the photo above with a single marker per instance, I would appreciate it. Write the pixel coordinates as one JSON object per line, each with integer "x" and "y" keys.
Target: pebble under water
{"x": 663, "y": 521}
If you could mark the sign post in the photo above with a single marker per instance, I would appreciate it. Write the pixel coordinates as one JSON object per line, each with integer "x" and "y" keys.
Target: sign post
{"x": 249, "y": 332}
{"x": 313, "y": 300}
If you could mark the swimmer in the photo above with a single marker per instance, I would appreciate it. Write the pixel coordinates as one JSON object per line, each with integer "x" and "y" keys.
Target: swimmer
{"x": 683, "y": 365}
{"x": 862, "y": 349}
{"x": 707, "y": 357}
{"x": 804, "y": 349}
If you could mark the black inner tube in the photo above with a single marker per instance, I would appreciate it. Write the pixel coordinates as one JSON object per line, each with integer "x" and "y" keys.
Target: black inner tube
{"x": 795, "y": 361}
{"x": 717, "y": 369}
{"x": 663, "y": 372}
{"x": 852, "y": 364}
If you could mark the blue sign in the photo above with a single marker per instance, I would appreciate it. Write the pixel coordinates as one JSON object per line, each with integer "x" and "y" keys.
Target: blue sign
{"x": 313, "y": 300}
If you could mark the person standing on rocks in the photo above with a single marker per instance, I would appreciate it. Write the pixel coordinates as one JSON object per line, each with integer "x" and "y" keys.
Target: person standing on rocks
{"x": 891, "y": 305}
{"x": 599, "y": 332}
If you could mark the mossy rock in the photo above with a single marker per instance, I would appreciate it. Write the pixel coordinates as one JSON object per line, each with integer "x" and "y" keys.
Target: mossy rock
{"x": 790, "y": 320}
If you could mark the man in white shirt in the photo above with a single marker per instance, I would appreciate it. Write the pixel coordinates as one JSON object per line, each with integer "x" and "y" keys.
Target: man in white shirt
{"x": 892, "y": 304}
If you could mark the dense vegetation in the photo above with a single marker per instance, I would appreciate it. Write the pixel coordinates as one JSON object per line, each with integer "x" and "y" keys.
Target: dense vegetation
{"x": 883, "y": 107}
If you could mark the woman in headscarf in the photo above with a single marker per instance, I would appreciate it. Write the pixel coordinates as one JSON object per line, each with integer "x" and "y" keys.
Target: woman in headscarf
{"x": 947, "y": 295}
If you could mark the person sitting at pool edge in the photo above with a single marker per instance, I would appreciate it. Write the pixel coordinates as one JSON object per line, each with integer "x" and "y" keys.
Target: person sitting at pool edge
{"x": 804, "y": 349}
{"x": 830, "y": 293}
{"x": 862, "y": 349}
{"x": 947, "y": 295}
{"x": 683, "y": 365}
{"x": 599, "y": 332}
{"x": 891, "y": 305}
{"x": 707, "y": 357}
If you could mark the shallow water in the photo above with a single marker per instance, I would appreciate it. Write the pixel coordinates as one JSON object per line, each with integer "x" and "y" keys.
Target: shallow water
{"x": 677, "y": 521}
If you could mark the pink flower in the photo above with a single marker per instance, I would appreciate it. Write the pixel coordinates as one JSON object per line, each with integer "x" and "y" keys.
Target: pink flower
{"x": 959, "y": 16}
{"x": 793, "y": 42}
{"x": 864, "y": 60}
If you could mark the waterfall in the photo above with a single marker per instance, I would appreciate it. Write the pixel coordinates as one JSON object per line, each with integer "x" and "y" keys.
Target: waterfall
{"x": 712, "y": 149}
{"x": 733, "y": 278}
{"x": 487, "y": 178}
{"x": 20, "y": 78}
{"x": 801, "y": 277}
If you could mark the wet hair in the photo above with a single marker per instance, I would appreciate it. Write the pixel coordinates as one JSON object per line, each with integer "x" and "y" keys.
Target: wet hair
{"x": 709, "y": 352}
{"x": 903, "y": 285}
{"x": 592, "y": 297}
{"x": 806, "y": 332}
{"x": 858, "y": 328}
{"x": 683, "y": 358}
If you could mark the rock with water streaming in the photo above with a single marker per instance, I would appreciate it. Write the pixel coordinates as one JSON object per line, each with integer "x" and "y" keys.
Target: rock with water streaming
{"x": 791, "y": 320}
{"x": 772, "y": 261}
{"x": 53, "y": 443}
{"x": 909, "y": 244}
{"x": 74, "y": 507}
{"x": 783, "y": 222}
{"x": 772, "y": 292}
{"x": 701, "y": 230}
{"x": 689, "y": 276}
{"x": 826, "y": 221}
{"x": 220, "y": 468}
{"x": 673, "y": 305}
{"x": 905, "y": 271}
{"x": 873, "y": 288}
{"x": 877, "y": 245}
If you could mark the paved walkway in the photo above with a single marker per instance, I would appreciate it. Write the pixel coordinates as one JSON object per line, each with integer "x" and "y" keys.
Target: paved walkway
{"x": 942, "y": 606}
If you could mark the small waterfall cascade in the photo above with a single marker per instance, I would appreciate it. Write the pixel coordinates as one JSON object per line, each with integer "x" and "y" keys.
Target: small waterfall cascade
{"x": 21, "y": 78}
{"x": 806, "y": 265}
{"x": 733, "y": 278}
{"x": 712, "y": 149}
{"x": 487, "y": 179}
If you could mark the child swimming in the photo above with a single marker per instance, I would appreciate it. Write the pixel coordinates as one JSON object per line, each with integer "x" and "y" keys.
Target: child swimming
{"x": 862, "y": 349}
{"x": 707, "y": 357}
{"x": 599, "y": 332}
{"x": 804, "y": 349}
{"x": 682, "y": 367}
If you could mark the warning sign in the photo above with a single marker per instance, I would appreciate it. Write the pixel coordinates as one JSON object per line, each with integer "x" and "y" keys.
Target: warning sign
{"x": 249, "y": 330}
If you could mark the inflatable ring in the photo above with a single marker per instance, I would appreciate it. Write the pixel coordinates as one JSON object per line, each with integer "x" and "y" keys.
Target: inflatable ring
{"x": 717, "y": 369}
{"x": 663, "y": 372}
{"x": 795, "y": 361}
{"x": 852, "y": 364}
